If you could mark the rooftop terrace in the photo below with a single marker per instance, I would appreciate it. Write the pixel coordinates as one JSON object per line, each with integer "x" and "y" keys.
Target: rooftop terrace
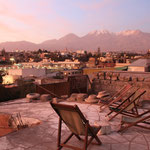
{"x": 44, "y": 135}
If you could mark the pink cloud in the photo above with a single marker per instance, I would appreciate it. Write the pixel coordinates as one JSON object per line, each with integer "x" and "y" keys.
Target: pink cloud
{"x": 5, "y": 27}
{"x": 18, "y": 26}
{"x": 93, "y": 5}
{"x": 9, "y": 11}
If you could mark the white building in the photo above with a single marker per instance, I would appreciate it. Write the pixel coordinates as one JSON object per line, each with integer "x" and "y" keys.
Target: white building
{"x": 80, "y": 52}
{"x": 67, "y": 64}
{"x": 27, "y": 72}
{"x": 142, "y": 65}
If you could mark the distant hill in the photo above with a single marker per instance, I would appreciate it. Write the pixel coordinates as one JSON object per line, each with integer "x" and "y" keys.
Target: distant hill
{"x": 130, "y": 40}
{"x": 19, "y": 45}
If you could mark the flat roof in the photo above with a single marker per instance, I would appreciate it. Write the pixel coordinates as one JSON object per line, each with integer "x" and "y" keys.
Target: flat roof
{"x": 140, "y": 63}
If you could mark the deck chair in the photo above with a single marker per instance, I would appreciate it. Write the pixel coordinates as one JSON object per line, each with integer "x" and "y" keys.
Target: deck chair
{"x": 128, "y": 106}
{"x": 142, "y": 121}
{"x": 114, "y": 98}
{"x": 130, "y": 95}
{"x": 78, "y": 125}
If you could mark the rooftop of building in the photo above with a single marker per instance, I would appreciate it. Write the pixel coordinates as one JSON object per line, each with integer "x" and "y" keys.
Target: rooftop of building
{"x": 140, "y": 63}
{"x": 44, "y": 135}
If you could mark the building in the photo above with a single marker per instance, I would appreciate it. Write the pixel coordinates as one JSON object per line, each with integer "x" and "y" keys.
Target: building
{"x": 67, "y": 64}
{"x": 14, "y": 74}
{"x": 142, "y": 65}
{"x": 73, "y": 72}
{"x": 91, "y": 62}
{"x": 27, "y": 72}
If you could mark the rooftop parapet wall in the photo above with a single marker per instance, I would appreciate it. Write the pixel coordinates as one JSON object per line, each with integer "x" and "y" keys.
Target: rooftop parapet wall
{"x": 112, "y": 81}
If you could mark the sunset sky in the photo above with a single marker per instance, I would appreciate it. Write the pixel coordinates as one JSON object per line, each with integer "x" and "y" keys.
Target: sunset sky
{"x": 40, "y": 20}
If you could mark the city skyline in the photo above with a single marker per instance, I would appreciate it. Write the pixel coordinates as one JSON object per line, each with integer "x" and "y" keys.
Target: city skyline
{"x": 38, "y": 20}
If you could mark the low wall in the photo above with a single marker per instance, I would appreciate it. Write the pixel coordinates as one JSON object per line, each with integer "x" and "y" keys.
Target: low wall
{"x": 75, "y": 84}
{"x": 55, "y": 89}
{"x": 112, "y": 81}
{"x": 15, "y": 92}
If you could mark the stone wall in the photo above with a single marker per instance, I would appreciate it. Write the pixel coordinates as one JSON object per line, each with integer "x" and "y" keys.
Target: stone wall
{"x": 112, "y": 81}
{"x": 15, "y": 92}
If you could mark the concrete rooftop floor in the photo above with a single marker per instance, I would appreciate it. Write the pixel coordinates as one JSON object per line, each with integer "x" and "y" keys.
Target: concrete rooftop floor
{"x": 44, "y": 135}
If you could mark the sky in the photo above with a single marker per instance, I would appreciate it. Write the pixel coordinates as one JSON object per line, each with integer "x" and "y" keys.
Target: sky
{"x": 40, "y": 20}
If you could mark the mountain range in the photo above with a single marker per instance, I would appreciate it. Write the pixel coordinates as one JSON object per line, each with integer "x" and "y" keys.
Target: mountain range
{"x": 129, "y": 40}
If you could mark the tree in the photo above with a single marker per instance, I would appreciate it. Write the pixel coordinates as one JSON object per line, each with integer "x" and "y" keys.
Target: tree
{"x": 39, "y": 51}
{"x": 98, "y": 52}
{"x": 3, "y": 52}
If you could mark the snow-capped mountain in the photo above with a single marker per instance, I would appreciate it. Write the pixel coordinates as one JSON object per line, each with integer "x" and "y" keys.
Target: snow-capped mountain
{"x": 129, "y": 40}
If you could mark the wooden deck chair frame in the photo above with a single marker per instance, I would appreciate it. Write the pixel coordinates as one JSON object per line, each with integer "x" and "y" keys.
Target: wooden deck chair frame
{"x": 127, "y": 107}
{"x": 141, "y": 119}
{"x": 87, "y": 129}
{"x": 116, "y": 97}
{"x": 118, "y": 104}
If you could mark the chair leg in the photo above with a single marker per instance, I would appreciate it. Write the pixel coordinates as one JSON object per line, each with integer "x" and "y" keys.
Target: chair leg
{"x": 97, "y": 139}
{"x": 90, "y": 140}
{"x": 68, "y": 138}
{"x": 121, "y": 126}
{"x": 59, "y": 133}
{"x": 109, "y": 113}
{"x": 94, "y": 135}
{"x": 86, "y": 137}
{"x": 78, "y": 137}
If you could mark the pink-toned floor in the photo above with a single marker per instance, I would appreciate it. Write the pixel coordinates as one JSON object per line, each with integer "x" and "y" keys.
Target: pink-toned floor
{"x": 44, "y": 135}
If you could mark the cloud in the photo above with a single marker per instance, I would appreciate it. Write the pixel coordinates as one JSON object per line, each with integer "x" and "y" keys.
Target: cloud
{"x": 8, "y": 11}
{"x": 6, "y": 28}
{"x": 94, "y": 5}
{"x": 35, "y": 26}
